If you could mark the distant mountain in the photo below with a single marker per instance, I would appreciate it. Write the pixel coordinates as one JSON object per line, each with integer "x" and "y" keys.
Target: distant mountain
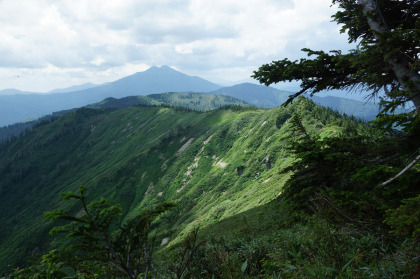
{"x": 13, "y": 92}
{"x": 160, "y": 80}
{"x": 18, "y": 107}
{"x": 269, "y": 97}
{"x": 363, "y": 110}
{"x": 254, "y": 94}
{"x": 154, "y": 80}
{"x": 74, "y": 88}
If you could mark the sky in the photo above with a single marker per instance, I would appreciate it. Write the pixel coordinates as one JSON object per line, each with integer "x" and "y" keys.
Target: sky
{"x": 49, "y": 44}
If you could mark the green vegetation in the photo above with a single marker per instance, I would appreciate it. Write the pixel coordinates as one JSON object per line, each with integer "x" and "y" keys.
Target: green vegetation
{"x": 225, "y": 169}
{"x": 11, "y": 132}
{"x": 96, "y": 251}
{"x": 293, "y": 192}
{"x": 213, "y": 165}
{"x": 385, "y": 61}
{"x": 192, "y": 101}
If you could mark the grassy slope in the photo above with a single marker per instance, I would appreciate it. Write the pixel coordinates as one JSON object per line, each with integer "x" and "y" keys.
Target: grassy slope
{"x": 194, "y": 101}
{"x": 134, "y": 157}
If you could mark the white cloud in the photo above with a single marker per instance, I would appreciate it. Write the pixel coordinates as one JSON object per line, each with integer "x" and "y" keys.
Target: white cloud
{"x": 66, "y": 42}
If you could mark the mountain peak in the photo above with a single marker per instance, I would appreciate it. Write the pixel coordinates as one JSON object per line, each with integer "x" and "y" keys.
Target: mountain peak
{"x": 160, "y": 79}
{"x": 151, "y": 69}
{"x": 160, "y": 69}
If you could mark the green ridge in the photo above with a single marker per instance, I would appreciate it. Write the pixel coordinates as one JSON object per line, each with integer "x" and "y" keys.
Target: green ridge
{"x": 214, "y": 165}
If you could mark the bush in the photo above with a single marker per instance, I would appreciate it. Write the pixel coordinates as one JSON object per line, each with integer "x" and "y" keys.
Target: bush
{"x": 405, "y": 219}
{"x": 321, "y": 250}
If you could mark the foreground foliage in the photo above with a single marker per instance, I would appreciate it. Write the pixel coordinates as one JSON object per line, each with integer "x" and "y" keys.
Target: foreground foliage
{"x": 315, "y": 248}
{"x": 94, "y": 249}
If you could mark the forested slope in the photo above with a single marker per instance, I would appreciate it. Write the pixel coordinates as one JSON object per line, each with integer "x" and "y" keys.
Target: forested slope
{"x": 213, "y": 165}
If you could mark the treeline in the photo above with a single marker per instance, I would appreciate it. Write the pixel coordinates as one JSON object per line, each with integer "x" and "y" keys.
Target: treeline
{"x": 11, "y": 132}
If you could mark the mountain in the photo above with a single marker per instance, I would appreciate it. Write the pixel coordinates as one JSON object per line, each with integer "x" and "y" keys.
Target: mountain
{"x": 363, "y": 110}
{"x": 74, "y": 88}
{"x": 16, "y": 108}
{"x": 254, "y": 94}
{"x": 160, "y": 80}
{"x": 269, "y": 97}
{"x": 214, "y": 165}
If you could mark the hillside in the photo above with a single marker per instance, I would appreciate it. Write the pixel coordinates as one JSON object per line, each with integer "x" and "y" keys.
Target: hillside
{"x": 214, "y": 165}
{"x": 194, "y": 101}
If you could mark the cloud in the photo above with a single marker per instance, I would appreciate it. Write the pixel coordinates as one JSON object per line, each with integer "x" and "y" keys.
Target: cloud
{"x": 91, "y": 39}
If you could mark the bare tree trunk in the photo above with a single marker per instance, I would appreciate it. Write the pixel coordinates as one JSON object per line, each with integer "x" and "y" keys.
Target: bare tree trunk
{"x": 409, "y": 80}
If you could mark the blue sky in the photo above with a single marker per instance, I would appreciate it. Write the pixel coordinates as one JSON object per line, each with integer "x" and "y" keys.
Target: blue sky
{"x": 47, "y": 44}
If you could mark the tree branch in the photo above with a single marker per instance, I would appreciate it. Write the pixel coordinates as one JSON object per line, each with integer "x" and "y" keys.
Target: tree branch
{"x": 103, "y": 239}
{"x": 402, "y": 172}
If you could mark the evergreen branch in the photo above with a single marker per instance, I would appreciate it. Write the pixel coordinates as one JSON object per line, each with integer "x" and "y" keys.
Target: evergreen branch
{"x": 102, "y": 238}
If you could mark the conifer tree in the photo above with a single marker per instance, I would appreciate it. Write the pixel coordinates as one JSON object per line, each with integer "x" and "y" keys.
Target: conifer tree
{"x": 95, "y": 250}
{"x": 387, "y": 58}
{"x": 333, "y": 175}
{"x": 385, "y": 64}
